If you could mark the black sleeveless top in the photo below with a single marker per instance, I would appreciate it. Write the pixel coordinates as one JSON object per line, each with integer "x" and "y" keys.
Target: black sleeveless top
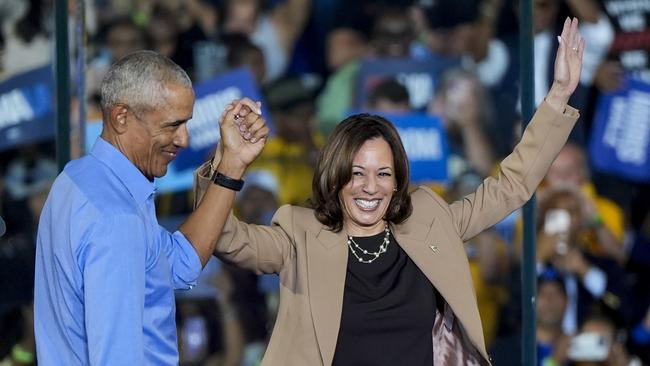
{"x": 388, "y": 309}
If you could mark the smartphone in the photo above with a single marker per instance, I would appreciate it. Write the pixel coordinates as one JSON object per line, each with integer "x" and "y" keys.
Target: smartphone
{"x": 557, "y": 221}
{"x": 589, "y": 346}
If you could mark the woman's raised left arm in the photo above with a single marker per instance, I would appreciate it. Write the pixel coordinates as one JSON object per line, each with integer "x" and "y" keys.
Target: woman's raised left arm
{"x": 521, "y": 172}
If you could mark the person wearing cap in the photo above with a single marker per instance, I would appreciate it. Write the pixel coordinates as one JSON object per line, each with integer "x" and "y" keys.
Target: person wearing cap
{"x": 105, "y": 270}
{"x": 373, "y": 273}
{"x": 290, "y": 155}
{"x": 593, "y": 282}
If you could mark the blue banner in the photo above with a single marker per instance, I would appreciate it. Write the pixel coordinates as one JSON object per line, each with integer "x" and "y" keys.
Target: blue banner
{"x": 27, "y": 108}
{"x": 212, "y": 96}
{"x": 420, "y": 78}
{"x": 425, "y": 142}
{"x": 620, "y": 141}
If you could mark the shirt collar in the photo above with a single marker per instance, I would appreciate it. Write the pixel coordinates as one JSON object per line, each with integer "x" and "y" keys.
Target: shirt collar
{"x": 131, "y": 177}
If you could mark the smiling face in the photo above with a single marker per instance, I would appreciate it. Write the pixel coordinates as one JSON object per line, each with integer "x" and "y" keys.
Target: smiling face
{"x": 155, "y": 137}
{"x": 366, "y": 197}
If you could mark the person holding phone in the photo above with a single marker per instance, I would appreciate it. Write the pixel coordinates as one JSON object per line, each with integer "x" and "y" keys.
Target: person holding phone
{"x": 598, "y": 343}
{"x": 591, "y": 281}
{"x": 604, "y": 227}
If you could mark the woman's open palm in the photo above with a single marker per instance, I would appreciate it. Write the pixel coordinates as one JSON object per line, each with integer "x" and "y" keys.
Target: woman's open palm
{"x": 568, "y": 61}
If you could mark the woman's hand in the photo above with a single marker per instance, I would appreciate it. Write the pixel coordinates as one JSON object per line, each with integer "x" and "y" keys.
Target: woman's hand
{"x": 568, "y": 65}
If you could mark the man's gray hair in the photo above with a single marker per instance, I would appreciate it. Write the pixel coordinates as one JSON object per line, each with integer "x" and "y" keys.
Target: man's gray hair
{"x": 139, "y": 80}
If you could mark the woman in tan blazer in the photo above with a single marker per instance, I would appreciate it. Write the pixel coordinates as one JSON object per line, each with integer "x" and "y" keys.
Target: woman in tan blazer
{"x": 373, "y": 273}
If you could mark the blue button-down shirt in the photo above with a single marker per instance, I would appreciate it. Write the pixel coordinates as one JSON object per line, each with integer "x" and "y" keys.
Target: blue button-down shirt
{"x": 105, "y": 270}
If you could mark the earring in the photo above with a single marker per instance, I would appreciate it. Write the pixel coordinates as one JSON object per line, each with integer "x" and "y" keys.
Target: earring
{"x": 395, "y": 189}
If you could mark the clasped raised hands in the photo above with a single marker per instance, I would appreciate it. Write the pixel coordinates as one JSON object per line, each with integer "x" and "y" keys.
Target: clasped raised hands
{"x": 243, "y": 132}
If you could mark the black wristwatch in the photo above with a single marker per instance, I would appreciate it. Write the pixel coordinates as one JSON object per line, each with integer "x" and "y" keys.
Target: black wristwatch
{"x": 227, "y": 182}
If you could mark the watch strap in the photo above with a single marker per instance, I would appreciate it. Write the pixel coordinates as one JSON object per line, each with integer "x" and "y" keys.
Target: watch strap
{"x": 227, "y": 182}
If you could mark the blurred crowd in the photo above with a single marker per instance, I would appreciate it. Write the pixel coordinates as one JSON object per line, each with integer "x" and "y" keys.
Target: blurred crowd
{"x": 593, "y": 229}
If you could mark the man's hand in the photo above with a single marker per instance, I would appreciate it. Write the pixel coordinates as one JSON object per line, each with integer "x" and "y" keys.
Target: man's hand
{"x": 243, "y": 136}
{"x": 561, "y": 349}
{"x": 573, "y": 262}
{"x": 546, "y": 246}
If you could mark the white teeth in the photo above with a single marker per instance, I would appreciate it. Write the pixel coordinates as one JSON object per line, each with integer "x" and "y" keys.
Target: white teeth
{"x": 366, "y": 204}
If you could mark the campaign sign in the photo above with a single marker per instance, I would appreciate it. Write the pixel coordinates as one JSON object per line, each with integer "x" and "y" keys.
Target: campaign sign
{"x": 420, "y": 78}
{"x": 212, "y": 96}
{"x": 425, "y": 142}
{"x": 620, "y": 142}
{"x": 27, "y": 108}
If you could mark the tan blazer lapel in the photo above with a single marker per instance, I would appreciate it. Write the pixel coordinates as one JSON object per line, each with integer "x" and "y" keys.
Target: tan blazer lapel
{"x": 441, "y": 261}
{"x": 425, "y": 252}
{"x": 327, "y": 257}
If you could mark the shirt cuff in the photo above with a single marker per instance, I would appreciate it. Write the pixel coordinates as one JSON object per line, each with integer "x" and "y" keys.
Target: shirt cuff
{"x": 595, "y": 281}
{"x": 187, "y": 264}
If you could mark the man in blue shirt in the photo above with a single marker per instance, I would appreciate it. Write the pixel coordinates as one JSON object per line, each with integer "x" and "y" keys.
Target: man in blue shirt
{"x": 105, "y": 269}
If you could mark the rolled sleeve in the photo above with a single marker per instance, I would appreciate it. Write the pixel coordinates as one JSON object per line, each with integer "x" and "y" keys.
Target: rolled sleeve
{"x": 183, "y": 258}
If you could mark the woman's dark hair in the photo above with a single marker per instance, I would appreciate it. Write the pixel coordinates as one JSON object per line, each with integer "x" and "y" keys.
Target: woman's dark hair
{"x": 334, "y": 169}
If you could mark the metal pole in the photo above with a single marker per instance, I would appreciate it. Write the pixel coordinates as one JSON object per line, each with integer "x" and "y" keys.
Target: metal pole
{"x": 528, "y": 271}
{"x": 80, "y": 46}
{"x": 62, "y": 79}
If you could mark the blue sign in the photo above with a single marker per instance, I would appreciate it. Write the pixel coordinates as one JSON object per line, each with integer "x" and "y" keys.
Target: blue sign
{"x": 620, "y": 142}
{"x": 27, "y": 108}
{"x": 212, "y": 96}
{"x": 420, "y": 78}
{"x": 425, "y": 142}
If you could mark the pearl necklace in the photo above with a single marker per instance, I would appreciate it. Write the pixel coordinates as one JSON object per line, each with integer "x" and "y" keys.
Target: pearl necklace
{"x": 382, "y": 247}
